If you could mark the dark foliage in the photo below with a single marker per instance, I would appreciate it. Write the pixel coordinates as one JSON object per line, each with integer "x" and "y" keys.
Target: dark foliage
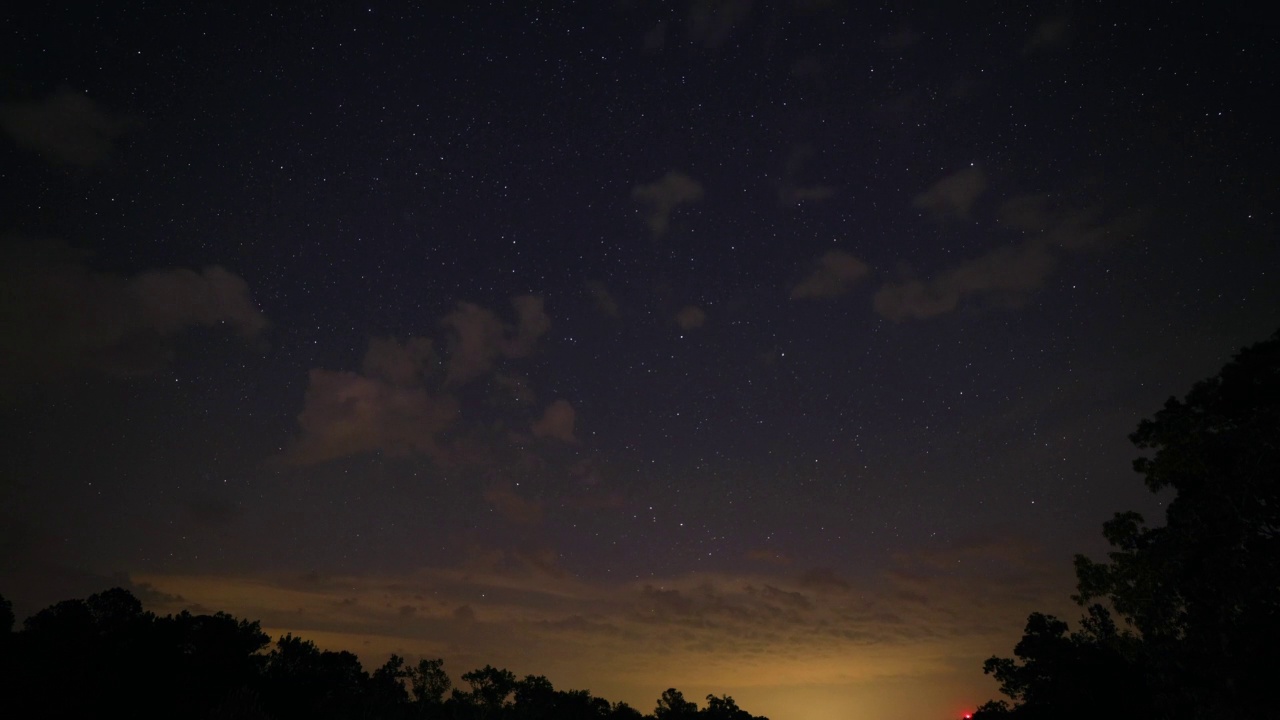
{"x": 1199, "y": 596}
{"x": 106, "y": 657}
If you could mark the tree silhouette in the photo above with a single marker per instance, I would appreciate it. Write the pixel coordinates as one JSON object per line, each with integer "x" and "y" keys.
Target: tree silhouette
{"x": 673, "y": 706}
{"x": 1200, "y": 596}
{"x": 106, "y": 656}
{"x": 6, "y": 616}
{"x": 429, "y": 683}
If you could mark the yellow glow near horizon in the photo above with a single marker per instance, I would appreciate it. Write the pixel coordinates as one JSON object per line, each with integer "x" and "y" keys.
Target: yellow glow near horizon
{"x": 826, "y": 656}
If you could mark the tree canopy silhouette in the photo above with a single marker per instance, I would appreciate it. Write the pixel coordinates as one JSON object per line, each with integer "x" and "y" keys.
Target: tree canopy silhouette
{"x": 106, "y": 656}
{"x": 1200, "y": 595}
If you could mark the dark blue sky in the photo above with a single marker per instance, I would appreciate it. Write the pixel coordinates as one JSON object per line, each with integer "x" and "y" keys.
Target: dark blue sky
{"x": 814, "y": 303}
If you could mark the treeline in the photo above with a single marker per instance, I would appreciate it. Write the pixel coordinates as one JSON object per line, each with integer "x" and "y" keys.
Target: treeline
{"x": 105, "y": 656}
{"x": 1182, "y": 622}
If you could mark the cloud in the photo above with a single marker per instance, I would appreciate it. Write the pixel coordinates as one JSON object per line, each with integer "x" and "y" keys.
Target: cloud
{"x": 400, "y": 364}
{"x": 480, "y": 337}
{"x": 691, "y": 317}
{"x": 904, "y": 39}
{"x": 663, "y": 196}
{"x": 66, "y": 127}
{"x": 807, "y": 66}
{"x": 812, "y": 193}
{"x": 837, "y": 273}
{"x": 790, "y": 189}
{"x": 64, "y": 317}
{"x": 1051, "y": 34}
{"x": 771, "y": 557}
{"x": 655, "y": 39}
{"x": 1011, "y": 273}
{"x": 711, "y": 22}
{"x": 604, "y": 302}
{"x": 1072, "y": 229}
{"x": 924, "y": 615}
{"x": 345, "y": 413}
{"x": 401, "y": 402}
{"x": 556, "y": 422}
{"x": 953, "y": 196}
{"x": 512, "y": 507}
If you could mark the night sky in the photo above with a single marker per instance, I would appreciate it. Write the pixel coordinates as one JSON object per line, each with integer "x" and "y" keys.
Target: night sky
{"x": 783, "y": 350}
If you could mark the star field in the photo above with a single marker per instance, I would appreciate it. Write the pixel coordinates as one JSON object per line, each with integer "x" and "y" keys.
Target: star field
{"x": 780, "y": 349}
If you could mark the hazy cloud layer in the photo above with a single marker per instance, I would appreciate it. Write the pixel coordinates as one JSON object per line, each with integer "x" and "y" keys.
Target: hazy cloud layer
{"x": 661, "y": 197}
{"x": 954, "y": 195}
{"x": 925, "y": 614}
{"x": 837, "y": 272}
{"x": 62, "y": 316}
{"x": 66, "y": 127}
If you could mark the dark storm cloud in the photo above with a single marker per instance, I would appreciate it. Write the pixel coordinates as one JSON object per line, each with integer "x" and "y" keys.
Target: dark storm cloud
{"x": 837, "y": 273}
{"x": 61, "y": 316}
{"x": 661, "y": 197}
{"x": 1009, "y": 274}
{"x": 66, "y": 127}
{"x": 954, "y": 195}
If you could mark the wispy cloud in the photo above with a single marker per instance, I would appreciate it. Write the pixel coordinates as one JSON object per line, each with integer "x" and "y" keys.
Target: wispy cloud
{"x": 836, "y": 273}
{"x": 954, "y": 195}
{"x": 1051, "y": 33}
{"x": 557, "y": 422}
{"x": 1009, "y": 274}
{"x": 926, "y": 613}
{"x": 661, "y": 197}
{"x": 389, "y": 410}
{"x": 691, "y": 317}
{"x": 480, "y": 337}
{"x": 405, "y": 395}
{"x": 66, "y": 127}
{"x": 64, "y": 317}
